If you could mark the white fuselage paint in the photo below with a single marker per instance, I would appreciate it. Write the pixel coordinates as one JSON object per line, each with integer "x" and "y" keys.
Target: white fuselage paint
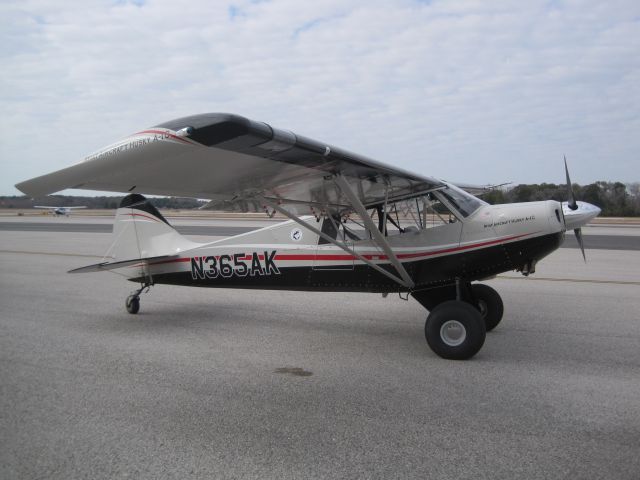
{"x": 270, "y": 250}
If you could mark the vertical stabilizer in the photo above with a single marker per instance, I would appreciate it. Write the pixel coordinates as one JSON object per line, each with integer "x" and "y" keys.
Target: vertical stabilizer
{"x": 140, "y": 231}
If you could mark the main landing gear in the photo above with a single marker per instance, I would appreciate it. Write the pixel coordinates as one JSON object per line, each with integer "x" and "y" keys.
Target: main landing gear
{"x": 132, "y": 303}
{"x": 455, "y": 330}
{"x": 460, "y": 315}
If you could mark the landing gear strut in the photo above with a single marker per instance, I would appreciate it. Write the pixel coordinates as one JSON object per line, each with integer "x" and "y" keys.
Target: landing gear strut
{"x": 132, "y": 303}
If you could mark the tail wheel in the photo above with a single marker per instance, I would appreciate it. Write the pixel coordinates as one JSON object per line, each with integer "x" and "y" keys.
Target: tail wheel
{"x": 133, "y": 304}
{"x": 489, "y": 304}
{"x": 455, "y": 330}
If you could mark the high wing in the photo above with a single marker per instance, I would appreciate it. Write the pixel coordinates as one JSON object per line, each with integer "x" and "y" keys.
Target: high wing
{"x": 236, "y": 163}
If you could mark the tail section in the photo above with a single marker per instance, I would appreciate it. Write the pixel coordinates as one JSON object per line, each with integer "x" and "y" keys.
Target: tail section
{"x": 140, "y": 231}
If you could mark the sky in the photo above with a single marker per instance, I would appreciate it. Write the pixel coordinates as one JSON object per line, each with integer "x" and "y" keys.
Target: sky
{"x": 469, "y": 91}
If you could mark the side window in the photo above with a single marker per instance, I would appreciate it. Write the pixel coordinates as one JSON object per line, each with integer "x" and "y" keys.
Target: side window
{"x": 436, "y": 213}
{"x": 463, "y": 202}
{"x": 337, "y": 230}
{"x": 328, "y": 228}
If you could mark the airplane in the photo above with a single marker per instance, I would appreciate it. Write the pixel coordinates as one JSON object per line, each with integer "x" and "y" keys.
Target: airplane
{"x": 59, "y": 210}
{"x": 354, "y": 224}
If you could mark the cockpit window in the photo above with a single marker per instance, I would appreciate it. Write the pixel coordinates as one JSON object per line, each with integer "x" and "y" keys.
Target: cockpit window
{"x": 336, "y": 229}
{"x": 462, "y": 201}
{"x": 439, "y": 207}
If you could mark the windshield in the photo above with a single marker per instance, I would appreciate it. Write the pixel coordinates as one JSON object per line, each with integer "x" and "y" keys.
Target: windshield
{"x": 462, "y": 201}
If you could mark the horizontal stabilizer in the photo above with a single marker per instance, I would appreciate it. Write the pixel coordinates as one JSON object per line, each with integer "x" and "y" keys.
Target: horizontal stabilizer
{"x": 104, "y": 266}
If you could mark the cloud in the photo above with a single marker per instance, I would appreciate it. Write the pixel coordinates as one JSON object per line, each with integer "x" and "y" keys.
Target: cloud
{"x": 463, "y": 90}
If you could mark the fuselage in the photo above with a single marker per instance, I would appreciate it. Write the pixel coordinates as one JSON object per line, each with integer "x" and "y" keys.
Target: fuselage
{"x": 491, "y": 240}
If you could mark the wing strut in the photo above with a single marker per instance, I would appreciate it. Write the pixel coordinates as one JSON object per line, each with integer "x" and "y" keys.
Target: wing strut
{"x": 377, "y": 235}
{"x": 350, "y": 251}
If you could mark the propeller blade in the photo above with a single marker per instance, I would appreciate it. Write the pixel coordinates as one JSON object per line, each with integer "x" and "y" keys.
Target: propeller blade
{"x": 572, "y": 199}
{"x": 578, "y": 232}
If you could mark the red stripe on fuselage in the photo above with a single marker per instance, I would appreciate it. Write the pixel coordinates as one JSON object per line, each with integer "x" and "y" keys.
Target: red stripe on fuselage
{"x": 465, "y": 247}
{"x": 313, "y": 257}
{"x": 336, "y": 257}
{"x": 377, "y": 256}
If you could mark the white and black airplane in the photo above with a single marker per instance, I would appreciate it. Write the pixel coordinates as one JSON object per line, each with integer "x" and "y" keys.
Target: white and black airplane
{"x": 354, "y": 224}
{"x": 59, "y": 210}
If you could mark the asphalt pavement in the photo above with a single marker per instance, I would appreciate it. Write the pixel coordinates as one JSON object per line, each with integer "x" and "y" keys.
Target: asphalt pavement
{"x": 208, "y": 383}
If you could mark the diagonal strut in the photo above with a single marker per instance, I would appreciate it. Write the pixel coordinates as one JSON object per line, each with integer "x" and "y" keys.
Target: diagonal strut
{"x": 375, "y": 233}
{"x": 350, "y": 251}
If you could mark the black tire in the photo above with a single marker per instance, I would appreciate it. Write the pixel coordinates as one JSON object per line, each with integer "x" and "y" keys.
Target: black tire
{"x": 489, "y": 304}
{"x": 133, "y": 304}
{"x": 454, "y": 316}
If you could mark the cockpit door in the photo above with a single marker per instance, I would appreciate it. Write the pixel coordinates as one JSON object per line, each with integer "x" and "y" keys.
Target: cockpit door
{"x": 328, "y": 256}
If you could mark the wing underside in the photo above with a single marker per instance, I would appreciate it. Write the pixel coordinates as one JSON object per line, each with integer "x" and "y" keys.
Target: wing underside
{"x": 235, "y": 163}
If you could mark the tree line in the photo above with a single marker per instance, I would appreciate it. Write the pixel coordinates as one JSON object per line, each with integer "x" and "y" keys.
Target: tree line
{"x": 614, "y": 198}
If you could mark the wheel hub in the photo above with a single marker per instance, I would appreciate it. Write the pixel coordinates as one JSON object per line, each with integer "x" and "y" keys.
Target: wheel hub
{"x": 453, "y": 333}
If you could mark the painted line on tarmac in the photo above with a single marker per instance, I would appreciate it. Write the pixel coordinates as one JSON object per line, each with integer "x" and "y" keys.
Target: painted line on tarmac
{"x": 570, "y": 280}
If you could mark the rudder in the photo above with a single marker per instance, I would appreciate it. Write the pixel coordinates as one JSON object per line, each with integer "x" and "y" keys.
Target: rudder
{"x": 140, "y": 231}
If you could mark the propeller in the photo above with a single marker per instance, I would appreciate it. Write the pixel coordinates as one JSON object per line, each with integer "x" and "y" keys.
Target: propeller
{"x": 574, "y": 206}
{"x": 578, "y": 232}
{"x": 572, "y": 198}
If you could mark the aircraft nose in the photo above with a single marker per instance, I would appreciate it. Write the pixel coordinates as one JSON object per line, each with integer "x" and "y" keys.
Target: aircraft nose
{"x": 583, "y": 214}
{"x": 590, "y": 211}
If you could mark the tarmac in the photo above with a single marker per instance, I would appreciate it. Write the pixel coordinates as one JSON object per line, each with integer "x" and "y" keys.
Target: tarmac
{"x": 609, "y": 237}
{"x": 206, "y": 383}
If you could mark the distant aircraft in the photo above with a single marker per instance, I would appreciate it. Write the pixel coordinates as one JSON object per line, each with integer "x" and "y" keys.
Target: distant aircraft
{"x": 59, "y": 210}
{"x": 347, "y": 229}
